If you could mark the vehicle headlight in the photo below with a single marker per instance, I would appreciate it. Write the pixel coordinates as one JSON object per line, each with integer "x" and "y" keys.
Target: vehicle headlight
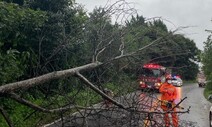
{"x": 141, "y": 82}
{"x": 157, "y": 84}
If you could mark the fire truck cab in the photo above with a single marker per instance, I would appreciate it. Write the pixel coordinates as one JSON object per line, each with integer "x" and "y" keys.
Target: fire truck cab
{"x": 151, "y": 76}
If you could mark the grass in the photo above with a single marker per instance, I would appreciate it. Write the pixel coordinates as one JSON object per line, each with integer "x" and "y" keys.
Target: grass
{"x": 23, "y": 116}
{"x": 208, "y": 91}
{"x": 20, "y": 112}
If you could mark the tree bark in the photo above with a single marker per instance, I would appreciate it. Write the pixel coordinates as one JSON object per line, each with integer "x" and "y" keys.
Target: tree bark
{"x": 46, "y": 77}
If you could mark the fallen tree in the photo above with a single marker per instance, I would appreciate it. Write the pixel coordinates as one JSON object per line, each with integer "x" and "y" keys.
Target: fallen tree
{"x": 101, "y": 57}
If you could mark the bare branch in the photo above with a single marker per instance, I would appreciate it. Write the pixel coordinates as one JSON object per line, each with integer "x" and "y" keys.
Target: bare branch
{"x": 132, "y": 53}
{"x": 178, "y": 103}
{"x": 89, "y": 84}
{"x": 101, "y": 50}
{"x": 6, "y": 117}
{"x": 37, "y": 107}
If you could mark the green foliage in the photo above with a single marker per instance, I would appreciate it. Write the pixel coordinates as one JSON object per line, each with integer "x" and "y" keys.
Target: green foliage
{"x": 173, "y": 51}
{"x": 59, "y": 42}
{"x": 16, "y": 23}
{"x": 208, "y": 89}
{"x": 18, "y": 29}
{"x": 11, "y": 67}
{"x": 20, "y": 2}
{"x": 207, "y": 64}
{"x": 186, "y": 56}
{"x": 98, "y": 33}
{"x": 16, "y": 113}
{"x": 52, "y": 5}
{"x": 207, "y": 59}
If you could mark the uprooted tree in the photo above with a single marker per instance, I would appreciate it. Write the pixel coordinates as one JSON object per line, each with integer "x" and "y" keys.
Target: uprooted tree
{"x": 60, "y": 61}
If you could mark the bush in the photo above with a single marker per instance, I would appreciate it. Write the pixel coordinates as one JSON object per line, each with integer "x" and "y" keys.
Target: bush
{"x": 208, "y": 90}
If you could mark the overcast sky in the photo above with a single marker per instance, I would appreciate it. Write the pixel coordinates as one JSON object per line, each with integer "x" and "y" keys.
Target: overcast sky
{"x": 194, "y": 13}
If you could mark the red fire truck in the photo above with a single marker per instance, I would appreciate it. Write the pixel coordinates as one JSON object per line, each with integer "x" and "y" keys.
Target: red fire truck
{"x": 151, "y": 76}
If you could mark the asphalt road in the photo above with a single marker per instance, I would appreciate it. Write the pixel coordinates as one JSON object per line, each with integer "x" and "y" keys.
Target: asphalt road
{"x": 199, "y": 111}
{"x": 115, "y": 117}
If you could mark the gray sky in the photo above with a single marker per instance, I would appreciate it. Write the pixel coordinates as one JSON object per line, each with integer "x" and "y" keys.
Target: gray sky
{"x": 176, "y": 13}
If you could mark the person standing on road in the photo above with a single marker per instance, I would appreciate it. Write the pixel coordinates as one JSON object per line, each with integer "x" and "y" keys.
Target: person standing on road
{"x": 168, "y": 98}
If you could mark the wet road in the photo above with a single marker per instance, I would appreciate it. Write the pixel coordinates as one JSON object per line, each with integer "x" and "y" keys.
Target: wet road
{"x": 200, "y": 107}
{"x": 198, "y": 116}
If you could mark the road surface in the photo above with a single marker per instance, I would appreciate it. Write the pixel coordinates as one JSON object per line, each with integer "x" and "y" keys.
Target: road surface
{"x": 199, "y": 112}
{"x": 114, "y": 117}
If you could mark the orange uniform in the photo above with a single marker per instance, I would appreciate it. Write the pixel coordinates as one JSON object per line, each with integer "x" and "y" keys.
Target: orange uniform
{"x": 169, "y": 93}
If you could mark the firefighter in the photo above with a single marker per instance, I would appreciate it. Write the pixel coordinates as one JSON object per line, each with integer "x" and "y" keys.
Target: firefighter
{"x": 168, "y": 98}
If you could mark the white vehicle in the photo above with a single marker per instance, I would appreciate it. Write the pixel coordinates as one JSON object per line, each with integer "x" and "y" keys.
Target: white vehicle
{"x": 201, "y": 79}
{"x": 201, "y": 82}
{"x": 176, "y": 81}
